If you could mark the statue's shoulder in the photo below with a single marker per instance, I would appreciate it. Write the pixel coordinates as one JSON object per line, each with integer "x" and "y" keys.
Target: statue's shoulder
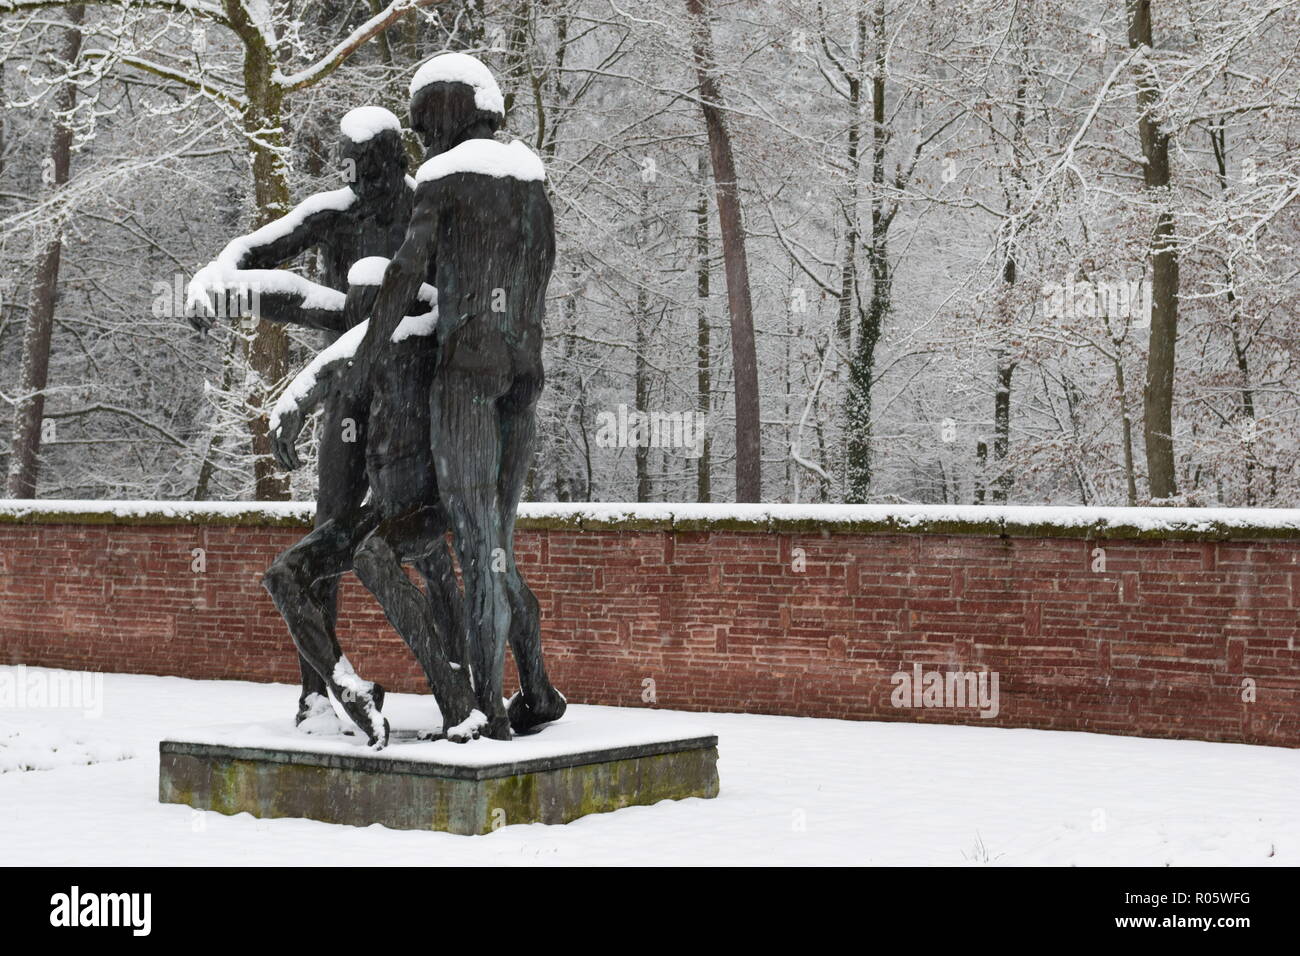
{"x": 332, "y": 201}
{"x": 484, "y": 157}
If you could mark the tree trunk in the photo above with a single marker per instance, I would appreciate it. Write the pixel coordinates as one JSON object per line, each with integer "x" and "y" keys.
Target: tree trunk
{"x": 1002, "y": 431}
{"x": 749, "y": 465}
{"x": 1002, "y": 402}
{"x": 268, "y": 352}
{"x": 703, "y": 352}
{"x": 1126, "y": 424}
{"x": 1219, "y": 141}
{"x": 1006, "y": 366}
{"x": 565, "y": 383}
{"x": 641, "y": 374}
{"x": 208, "y": 467}
{"x": 642, "y": 398}
{"x": 24, "y": 461}
{"x": 862, "y": 362}
{"x": 1157, "y": 425}
{"x": 849, "y": 263}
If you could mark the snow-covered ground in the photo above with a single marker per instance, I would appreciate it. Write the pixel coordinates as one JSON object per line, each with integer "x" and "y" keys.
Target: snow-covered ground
{"x": 794, "y": 790}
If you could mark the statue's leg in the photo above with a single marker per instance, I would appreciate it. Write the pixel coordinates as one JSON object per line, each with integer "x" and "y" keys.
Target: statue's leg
{"x": 445, "y": 598}
{"x": 326, "y": 552}
{"x": 312, "y": 701}
{"x": 340, "y": 490}
{"x": 538, "y": 702}
{"x": 378, "y": 563}
{"x": 466, "y": 440}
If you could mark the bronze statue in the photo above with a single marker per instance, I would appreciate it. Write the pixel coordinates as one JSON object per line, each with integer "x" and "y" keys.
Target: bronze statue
{"x": 368, "y": 217}
{"x": 451, "y": 393}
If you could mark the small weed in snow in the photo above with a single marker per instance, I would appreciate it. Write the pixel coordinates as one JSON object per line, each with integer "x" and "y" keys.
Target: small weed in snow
{"x": 980, "y": 852}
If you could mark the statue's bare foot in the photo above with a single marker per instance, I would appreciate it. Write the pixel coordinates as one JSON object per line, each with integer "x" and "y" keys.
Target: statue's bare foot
{"x": 496, "y": 723}
{"x": 496, "y": 727}
{"x": 316, "y": 716}
{"x": 311, "y": 705}
{"x": 526, "y": 717}
{"x": 468, "y": 729}
{"x": 361, "y": 701}
{"x": 462, "y": 721}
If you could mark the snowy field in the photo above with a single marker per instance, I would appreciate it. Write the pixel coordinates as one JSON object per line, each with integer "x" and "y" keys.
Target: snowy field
{"x": 78, "y": 789}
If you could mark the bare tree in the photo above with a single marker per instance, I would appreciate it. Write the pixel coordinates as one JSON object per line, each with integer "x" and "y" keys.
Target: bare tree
{"x": 24, "y": 461}
{"x": 749, "y": 463}
{"x": 1158, "y": 418}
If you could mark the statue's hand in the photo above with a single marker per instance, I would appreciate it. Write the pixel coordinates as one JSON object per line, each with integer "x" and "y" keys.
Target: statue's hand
{"x": 198, "y": 301}
{"x": 200, "y": 321}
{"x": 284, "y": 437}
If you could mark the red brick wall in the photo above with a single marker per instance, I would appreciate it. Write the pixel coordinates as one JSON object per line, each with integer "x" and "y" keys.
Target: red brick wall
{"x": 1158, "y": 644}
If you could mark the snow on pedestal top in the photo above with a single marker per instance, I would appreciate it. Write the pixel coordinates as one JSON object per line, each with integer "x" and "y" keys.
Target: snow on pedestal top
{"x": 582, "y": 730}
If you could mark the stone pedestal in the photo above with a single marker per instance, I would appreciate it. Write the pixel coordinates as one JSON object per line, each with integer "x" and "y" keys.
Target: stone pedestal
{"x": 272, "y": 771}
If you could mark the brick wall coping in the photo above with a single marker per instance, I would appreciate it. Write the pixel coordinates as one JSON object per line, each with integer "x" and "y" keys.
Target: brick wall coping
{"x": 1195, "y": 524}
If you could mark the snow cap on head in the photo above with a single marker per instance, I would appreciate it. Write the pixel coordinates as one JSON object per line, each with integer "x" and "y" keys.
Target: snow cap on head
{"x": 368, "y": 271}
{"x": 462, "y": 68}
{"x": 366, "y": 122}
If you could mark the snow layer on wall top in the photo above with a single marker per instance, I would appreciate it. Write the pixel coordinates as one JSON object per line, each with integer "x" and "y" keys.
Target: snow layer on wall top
{"x": 1040, "y": 521}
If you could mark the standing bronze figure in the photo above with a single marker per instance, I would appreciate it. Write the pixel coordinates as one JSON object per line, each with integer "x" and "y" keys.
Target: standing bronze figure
{"x": 451, "y": 392}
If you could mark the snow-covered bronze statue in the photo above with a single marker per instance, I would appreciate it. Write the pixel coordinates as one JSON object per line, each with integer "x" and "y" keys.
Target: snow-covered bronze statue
{"x": 451, "y": 393}
{"x": 366, "y": 218}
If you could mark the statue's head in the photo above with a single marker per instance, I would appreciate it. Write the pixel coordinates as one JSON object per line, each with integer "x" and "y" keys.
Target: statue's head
{"x": 370, "y": 148}
{"x": 454, "y": 98}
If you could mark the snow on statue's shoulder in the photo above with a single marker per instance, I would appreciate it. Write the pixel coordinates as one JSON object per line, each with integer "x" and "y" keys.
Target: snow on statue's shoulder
{"x": 486, "y": 157}
{"x": 333, "y": 200}
{"x": 366, "y": 122}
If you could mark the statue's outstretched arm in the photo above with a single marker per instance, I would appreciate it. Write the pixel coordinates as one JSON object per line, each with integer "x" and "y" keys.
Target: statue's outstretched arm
{"x": 342, "y": 364}
{"x": 278, "y": 295}
{"x": 327, "y": 370}
{"x": 246, "y": 267}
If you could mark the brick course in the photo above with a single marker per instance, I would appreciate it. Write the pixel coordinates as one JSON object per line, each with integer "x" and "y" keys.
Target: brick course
{"x": 1158, "y": 644}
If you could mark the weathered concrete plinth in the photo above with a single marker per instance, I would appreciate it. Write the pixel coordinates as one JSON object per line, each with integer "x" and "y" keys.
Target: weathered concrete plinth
{"x": 470, "y": 788}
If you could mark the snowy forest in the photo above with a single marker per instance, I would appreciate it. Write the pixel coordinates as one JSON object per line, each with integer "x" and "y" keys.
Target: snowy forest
{"x": 934, "y": 251}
